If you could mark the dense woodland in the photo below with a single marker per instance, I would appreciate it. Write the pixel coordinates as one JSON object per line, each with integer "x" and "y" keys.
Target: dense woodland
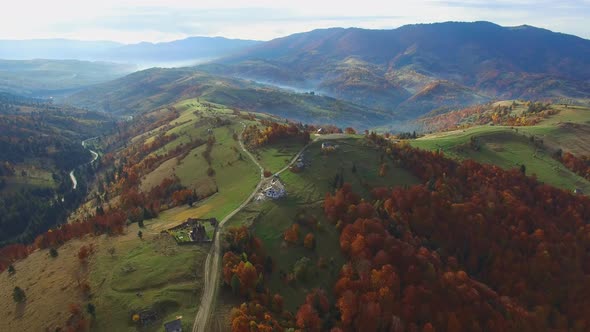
{"x": 473, "y": 248}
{"x": 272, "y": 132}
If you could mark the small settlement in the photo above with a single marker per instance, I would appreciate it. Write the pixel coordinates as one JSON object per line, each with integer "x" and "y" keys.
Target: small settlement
{"x": 194, "y": 231}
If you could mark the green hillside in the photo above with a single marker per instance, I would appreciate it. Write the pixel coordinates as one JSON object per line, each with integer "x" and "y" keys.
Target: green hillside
{"x": 531, "y": 146}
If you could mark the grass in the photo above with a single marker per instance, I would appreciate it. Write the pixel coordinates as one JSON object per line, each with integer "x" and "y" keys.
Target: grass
{"x": 306, "y": 190}
{"x": 315, "y": 181}
{"x": 35, "y": 177}
{"x": 235, "y": 175}
{"x": 274, "y": 157}
{"x": 511, "y": 147}
{"x": 167, "y": 277}
{"x": 50, "y": 286}
{"x": 153, "y": 273}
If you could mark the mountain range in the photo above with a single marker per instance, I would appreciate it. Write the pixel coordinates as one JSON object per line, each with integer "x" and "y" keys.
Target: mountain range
{"x": 185, "y": 51}
{"x": 401, "y": 73}
{"x": 419, "y": 68}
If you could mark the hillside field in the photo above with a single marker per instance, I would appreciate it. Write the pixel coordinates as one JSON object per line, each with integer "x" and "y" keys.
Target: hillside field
{"x": 305, "y": 192}
{"x": 510, "y": 147}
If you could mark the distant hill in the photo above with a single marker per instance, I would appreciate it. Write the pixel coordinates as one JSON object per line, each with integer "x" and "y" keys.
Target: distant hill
{"x": 193, "y": 48}
{"x": 149, "y": 89}
{"x": 185, "y": 50}
{"x": 55, "y": 49}
{"x": 45, "y": 78}
{"x": 386, "y": 69}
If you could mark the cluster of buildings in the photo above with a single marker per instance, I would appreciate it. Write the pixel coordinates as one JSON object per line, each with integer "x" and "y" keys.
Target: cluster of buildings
{"x": 197, "y": 230}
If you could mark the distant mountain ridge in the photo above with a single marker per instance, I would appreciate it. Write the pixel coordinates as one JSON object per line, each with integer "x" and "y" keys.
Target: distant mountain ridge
{"x": 192, "y": 48}
{"x": 149, "y": 89}
{"x": 45, "y": 78}
{"x": 391, "y": 69}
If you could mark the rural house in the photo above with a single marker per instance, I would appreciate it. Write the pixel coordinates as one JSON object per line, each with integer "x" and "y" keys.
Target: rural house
{"x": 173, "y": 326}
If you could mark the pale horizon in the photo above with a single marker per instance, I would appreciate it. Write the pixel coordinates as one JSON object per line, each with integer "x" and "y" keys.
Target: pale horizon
{"x": 126, "y": 22}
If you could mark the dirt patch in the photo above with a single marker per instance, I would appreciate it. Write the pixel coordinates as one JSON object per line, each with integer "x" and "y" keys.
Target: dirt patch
{"x": 496, "y": 147}
{"x": 154, "y": 178}
{"x": 573, "y": 137}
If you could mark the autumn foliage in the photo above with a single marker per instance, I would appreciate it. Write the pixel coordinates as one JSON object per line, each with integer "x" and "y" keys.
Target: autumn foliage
{"x": 578, "y": 165}
{"x": 244, "y": 270}
{"x": 273, "y": 132}
{"x": 291, "y": 235}
{"x": 475, "y": 248}
{"x": 486, "y": 114}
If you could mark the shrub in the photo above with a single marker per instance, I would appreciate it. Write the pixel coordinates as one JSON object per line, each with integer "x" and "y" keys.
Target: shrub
{"x": 18, "y": 295}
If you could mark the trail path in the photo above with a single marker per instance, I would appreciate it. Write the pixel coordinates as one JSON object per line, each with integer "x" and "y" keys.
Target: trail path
{"x": 213, "y": 258}
{"x": 94, "y": 157}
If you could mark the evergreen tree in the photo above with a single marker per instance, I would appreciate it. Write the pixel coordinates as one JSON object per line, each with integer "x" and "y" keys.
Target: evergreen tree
{"x": 235, "y": 284}
{"x": 18, "y": 295}
{"x": 91, "y": 309}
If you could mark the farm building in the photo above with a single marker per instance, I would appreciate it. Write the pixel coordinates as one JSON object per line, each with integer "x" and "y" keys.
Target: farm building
{"x": 194, "y": 231}
{"x": 173, "y": 326}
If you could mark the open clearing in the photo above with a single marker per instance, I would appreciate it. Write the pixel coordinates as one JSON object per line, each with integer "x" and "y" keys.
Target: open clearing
{"x": 510, "y": 147}
{"x": 50, "y": 285}
{"x": 153, "y": 273}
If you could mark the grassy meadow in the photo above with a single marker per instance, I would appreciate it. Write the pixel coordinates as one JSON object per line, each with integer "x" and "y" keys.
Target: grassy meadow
{"x": 510, "y": 147}
{"x": 305, "y": 192}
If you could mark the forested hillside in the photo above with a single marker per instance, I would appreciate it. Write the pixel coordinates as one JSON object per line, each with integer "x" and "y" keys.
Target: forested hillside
{"x": 40, "y": 143}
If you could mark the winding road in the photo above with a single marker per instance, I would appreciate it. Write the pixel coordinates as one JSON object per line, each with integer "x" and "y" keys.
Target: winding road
{"x": 94, "y": 157}
{"x": 213, "y": 257}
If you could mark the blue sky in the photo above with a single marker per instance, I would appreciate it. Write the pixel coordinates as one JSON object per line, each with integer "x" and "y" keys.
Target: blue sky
{"x": 131, "y": 21}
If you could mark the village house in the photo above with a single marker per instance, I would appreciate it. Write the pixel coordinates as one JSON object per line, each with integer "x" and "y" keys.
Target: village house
{"x": 173, "y": 326}
{"x": 275, "y": 190}
{"x": 194, "y": 229}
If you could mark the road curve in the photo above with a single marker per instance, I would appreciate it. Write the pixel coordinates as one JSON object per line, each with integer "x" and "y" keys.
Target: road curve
{"x": 94, "y": 157}
{"x": 213, "y": 257}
